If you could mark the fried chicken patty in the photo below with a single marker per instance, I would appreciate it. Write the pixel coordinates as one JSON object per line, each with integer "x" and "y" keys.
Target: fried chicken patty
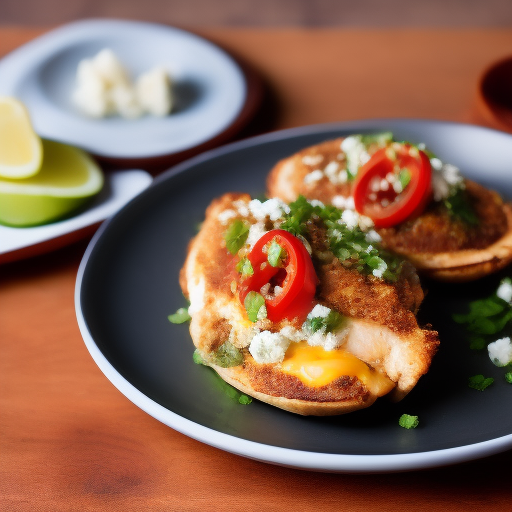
{"x": 381, "y": 328}
{"x": 438, "y": 243}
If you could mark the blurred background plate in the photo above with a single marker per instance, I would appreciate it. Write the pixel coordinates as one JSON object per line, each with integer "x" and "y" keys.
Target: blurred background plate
{"x": 214, "y": 98}
{"x": 119, "y": 188}
{"x": 127, "y": 285}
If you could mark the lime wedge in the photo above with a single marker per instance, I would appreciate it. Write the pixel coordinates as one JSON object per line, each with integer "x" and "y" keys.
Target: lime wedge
{"x": 68, "y": 177}
{"x": 20, "y": 147}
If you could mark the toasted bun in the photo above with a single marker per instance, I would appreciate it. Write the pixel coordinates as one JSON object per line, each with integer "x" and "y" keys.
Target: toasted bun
{"x": 437, "y": 246}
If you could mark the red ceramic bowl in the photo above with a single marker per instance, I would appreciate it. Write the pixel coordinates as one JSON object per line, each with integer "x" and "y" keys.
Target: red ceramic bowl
{"x": 494, "y": 101}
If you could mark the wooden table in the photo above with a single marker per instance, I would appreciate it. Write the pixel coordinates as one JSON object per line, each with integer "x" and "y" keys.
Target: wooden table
{"x": 71, "y": 441}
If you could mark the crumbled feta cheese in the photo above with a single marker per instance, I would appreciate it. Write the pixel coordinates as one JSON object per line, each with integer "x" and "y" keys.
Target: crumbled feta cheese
{"x": 313, "y": 177}
{"x": 256, "y": 231}
{"x": 445, "y": 179}
{"x": 319, "y": 311}
{"x": 500, "y": 351}
{"x": 268, "y": 347}
{"x": 343, "y": 203}
{"x": 272, "y": 208}
{"x": 316, "y": 202}
{"x": 104, "y": 88}
{"x": 226, "y": 215}
{"x": 350, "y": 218}
{"x": 373, "y": 236}
{"x": 379, "y": 271}
{"x": 504, "y": 290}
{"x": 356, "y": 153}
{"x": 196, "y": 296}
{"x": 153, "y": 91}
{"x": 312, "y": 159}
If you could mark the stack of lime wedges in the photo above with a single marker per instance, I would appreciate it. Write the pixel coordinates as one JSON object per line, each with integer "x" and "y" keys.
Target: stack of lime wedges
{"x": 40, "y": 180}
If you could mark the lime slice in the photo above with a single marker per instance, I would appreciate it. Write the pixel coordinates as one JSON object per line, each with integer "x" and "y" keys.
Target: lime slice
{"x": 21, "y": 151}
{"x": 67, "y": 179}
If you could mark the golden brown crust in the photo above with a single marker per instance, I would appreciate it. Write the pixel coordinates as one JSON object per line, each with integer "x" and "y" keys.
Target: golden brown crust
{"x": 437, "y": 244}
{"x": 385, "y": 310}
{"x": 286, "y": 392}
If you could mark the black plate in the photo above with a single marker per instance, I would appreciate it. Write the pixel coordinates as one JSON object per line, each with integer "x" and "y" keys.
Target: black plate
{"x": 128, "y": 285}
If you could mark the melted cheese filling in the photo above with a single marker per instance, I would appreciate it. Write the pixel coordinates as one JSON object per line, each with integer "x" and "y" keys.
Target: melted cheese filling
{"x": 317, "y": 367}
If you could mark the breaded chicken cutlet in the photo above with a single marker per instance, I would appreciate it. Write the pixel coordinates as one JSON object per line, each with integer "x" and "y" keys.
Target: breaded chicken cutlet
{"x": 297, "y": 306}
{"x": 449, "y": 227}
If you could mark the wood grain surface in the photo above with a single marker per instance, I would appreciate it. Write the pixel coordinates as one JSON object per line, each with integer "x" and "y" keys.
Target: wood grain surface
{"x": 69, "y": 441}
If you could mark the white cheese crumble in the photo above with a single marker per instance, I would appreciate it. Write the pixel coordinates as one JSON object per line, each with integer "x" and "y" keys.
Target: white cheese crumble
{"x": 312, "y": 159}
{"x": 269, "y": 347}
{"x": 356, "y": 153}
{"x": 313, "y": 177}
{"x": 226, "y": 216}
{"x": 103, "y": 88}
{"x": 319, "y": 311}
{"x": 272, "y": 208}
{"x": 445, "y": 179}
{"x": 196, "y": 296}
{"x": 504, "y": 290}
{"x": 500, "y": 351}
{"x": 352, "y": 219}
{"x": 343, "y": 203}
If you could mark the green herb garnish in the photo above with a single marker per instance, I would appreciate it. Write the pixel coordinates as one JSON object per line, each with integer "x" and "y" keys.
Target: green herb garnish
{"x": 276, "y": 254}
{"x": 244, "y": 267}
{"x": 180, "y": 317}
{"x": 350, "y": 246}
{"x": 404, "y": 177}
{"x": 479, "y": 382}
{"x": 301, "y": 211}
{"x": 330, "y": 323}
{"x": 407, "y": 421}
{"x": 486, "y": 317}
{"x": 255, "y": 306}
{"x": 379, "y": 139}
{"x": 232, "y": 392}
{"x": 459, "y": 206}
{"x": 508, "y": 377}
{"x": 236, "y": 236}
{"x": 227, "y": 355}
{"x": 197, "y": 357}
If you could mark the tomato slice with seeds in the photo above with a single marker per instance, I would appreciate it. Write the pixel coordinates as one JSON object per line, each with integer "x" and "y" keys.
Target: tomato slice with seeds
{"x": 296, "y": 277}
{"x": 376, "y": 194}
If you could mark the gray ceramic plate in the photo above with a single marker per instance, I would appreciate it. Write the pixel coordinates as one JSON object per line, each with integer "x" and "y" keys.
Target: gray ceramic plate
{"x": 128, "y": 284}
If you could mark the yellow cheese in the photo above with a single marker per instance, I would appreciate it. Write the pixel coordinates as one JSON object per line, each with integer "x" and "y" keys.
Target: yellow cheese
{"x": 317, "y": 367}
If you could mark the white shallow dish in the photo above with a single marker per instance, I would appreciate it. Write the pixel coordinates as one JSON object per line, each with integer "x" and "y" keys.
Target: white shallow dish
{"x": 120, "y": 187}
{"x": 127, "y": 284}
{"x": 209, "y": 87}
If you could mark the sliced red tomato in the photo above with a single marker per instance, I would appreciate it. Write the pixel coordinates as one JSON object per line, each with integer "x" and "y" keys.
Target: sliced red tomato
{"x": 295, "y": 276}
{"x": 374, "y": 194}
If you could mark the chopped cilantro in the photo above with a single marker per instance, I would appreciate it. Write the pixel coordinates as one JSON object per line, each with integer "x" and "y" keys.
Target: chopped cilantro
{"x": 244, "y": 399}
{"x": 180, "y": 317}
{"x": 301, "y": 211}
{"x": 404, "y": 177}
{"x": 479, "y": 382}
{"x": 380, "y": 139}
{"x": 255, "y": 306}
{"x": 227, "y": 355}
{"x": 236, "y": 235}
{"x": 486, "y": 317}
{"x": 329, "y": 323}
{"x": 197, "y": 357}
{"x": 244, "y": 266}
{"x": 458, "y": 206}
{"x": 276, "y": 254}
{"x": 350, "y": 246}
{"x": 407, "y": 421}
{"x": 508, "y": 377}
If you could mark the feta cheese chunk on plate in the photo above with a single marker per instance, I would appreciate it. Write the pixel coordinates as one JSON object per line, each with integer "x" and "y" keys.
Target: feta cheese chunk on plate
{"x": 213, "y": 96}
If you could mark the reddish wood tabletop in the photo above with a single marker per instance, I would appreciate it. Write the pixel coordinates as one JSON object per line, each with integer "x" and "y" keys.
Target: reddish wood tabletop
{"x": 71, "y": 441}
